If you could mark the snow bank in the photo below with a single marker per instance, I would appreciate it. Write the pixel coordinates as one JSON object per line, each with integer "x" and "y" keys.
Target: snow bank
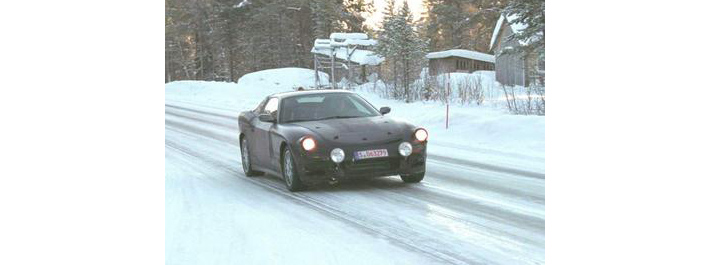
{"x": 491, "y": 89}
{"x": 249, "y": 90}
{"x": 281, "y": 79}
{"x": 473, "y": 55}
{"x": 204, "y": 92}
{"x": 480, "y": 133}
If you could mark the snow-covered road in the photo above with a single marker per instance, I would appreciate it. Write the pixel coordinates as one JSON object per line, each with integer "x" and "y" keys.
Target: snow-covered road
{"x": 463, "y": 212}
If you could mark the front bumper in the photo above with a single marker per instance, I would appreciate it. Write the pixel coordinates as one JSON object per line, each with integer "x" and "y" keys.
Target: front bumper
{"x": 318, "y": 168}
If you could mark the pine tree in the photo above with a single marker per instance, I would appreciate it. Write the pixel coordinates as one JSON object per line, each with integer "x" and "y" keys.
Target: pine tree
{"x": 401, "y": 46}
{"x": 387, "y": 41}
{"x": 461, "y": 24}
{"x": 412, "y": 48}
{"x": 225, "y": 39}
{"x": 530, "y": 13}
{"x": 354, "y": 14}
{"x": 327, "y": 15}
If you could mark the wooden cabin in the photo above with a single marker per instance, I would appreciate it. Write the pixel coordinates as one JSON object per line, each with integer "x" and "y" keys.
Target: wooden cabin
{"x": 515, "y": 69}
{"x": 345, "y": 56}
{"x": 459, "y": 61}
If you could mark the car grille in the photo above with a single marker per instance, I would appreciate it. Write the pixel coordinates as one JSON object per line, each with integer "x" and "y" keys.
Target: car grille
{"x": 372, "y": 164}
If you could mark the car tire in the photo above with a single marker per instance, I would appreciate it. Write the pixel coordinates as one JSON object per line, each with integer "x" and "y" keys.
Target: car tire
{"x": 246, "y": 159}
{"x": 289, "y": 172}
{"x": 414, "y": 178}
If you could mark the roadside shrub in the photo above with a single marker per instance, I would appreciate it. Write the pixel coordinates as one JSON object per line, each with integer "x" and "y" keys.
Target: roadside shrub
{"x": 525, "y": 101}
{"x": 471, "y": 90}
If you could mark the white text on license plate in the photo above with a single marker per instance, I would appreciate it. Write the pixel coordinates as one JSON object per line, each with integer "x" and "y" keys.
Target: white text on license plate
{"x": 370, "y": 154}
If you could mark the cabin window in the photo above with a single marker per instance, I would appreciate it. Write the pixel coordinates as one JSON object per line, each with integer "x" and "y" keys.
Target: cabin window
{"x": 463, "y": 65}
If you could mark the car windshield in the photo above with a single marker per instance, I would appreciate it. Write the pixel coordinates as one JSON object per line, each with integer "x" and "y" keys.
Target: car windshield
{"x": 325, "y": 106}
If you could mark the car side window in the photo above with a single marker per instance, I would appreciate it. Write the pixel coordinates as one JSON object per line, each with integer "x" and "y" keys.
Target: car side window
{"x": 271, "y": 106}
{"x": 260, "y": 107}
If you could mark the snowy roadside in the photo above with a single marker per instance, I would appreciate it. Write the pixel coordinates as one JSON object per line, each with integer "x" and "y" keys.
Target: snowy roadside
{"x": 484, "y": 134}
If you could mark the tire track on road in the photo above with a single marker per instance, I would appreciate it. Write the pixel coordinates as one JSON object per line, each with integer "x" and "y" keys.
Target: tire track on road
{"x": 503, "y": 216}
{"x": 332, "y": 211}
{"x": 399, "y": 233}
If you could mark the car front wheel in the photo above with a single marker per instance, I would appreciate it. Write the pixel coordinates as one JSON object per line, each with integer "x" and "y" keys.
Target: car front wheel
{"x": 414, "y": 178}
{"x": 289, "y": 172}
{"x": 246, "y": 159}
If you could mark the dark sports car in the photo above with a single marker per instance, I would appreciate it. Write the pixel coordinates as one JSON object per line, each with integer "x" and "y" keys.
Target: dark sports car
{"x": 311, "y": 137}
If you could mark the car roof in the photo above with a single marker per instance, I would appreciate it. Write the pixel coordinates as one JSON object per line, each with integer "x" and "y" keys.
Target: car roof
{"x": 282, "y": 95}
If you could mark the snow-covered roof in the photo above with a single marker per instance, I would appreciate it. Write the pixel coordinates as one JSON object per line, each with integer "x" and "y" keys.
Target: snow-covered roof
{"x": 342, "y": 35}
{"x": 322, "y": 44}
{"x": 346, "y": 42}
{"x": 339, "y": 43}
{"x": 473, "y": 55}
{"x": 361, "y": 57}
{"x": 360, "y": 42}
{"x": 516, "y": 27}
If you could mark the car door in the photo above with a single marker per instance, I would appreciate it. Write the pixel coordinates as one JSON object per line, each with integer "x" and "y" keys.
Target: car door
{"x": 262, "y": 138}
{"x": 248, "y": 128}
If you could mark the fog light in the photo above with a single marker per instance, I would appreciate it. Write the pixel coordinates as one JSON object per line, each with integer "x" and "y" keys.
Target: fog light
{"x": 337, "y": 155}
{"x": 405, "y": 149}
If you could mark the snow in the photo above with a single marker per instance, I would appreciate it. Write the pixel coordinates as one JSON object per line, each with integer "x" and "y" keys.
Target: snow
{"x": 281, "y": 79}
{"x": 322, "y": 44}
{"x": 458, "y": 214}
{"x": 360, "y": 42}
{"x": 216, "y": 215}
{"x": 491, "y": 90}
{"x": 516, "y": 27}
{"x": 361, "y": 57}
{"x": 243, "y": 3}
{"x": 208, "y": 220}
{"x": 497, "y": 29}
{"x": 341, "y": 35}
{"x": 232, "y": 96}
{"x": 473, "y": 55}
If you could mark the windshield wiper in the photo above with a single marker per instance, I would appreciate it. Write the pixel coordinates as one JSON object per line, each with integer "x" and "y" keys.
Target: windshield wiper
{"x": 300, "y": 120}
{"x": 339, "y": 117}
{"x": 326, "y": 118}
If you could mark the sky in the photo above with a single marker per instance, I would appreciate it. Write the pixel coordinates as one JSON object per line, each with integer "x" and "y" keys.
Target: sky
{"x": 374, "y": 20}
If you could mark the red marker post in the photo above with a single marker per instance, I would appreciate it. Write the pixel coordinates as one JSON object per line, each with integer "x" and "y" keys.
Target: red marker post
{"x": 447, "y": 116}
{"x": 447, "y": 94}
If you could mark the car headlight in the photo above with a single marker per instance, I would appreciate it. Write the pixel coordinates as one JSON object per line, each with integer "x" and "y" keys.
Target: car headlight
{"x": 337, "y": 155}
{"x": 405, "y": 149}
{"x": 308, "y": 144}
{"x": 421, "y": 135}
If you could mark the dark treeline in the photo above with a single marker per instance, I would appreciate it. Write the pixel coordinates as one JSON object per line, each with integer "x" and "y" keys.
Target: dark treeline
{"x": 225, "y": 39}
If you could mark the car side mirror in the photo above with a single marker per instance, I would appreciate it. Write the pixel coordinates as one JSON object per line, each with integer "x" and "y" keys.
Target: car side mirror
{"x": 385, "y": 110}
{"x": 267, "y": 117}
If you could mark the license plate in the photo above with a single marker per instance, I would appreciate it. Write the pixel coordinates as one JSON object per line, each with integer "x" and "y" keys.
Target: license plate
{"x": 370, "y": 154}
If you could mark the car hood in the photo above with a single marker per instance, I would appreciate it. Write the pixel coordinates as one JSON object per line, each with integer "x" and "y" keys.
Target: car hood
{"x": 368, "y": 130}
